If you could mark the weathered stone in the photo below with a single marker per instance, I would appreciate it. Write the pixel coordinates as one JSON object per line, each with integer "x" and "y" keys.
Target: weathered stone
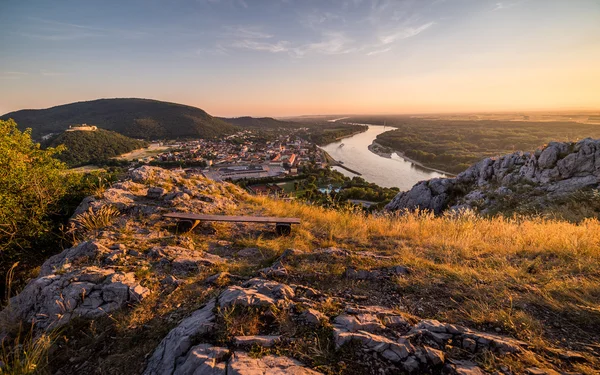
{"x": 434, "y": 357}
{"x": 313, "y": 317}
{"x": 88, "y": 250}
{"x": 467, "y": 368}
{"x": 256, "y": 292}
{"x": 203, "y": 359}
{"x": 361, "y": 322}
{"x": 179, "y": 340}
{"x": 183, "y": 261}
{"x": 559, "y": 168}
{"x": 266, "y": 341}
{"x": 147, "y": 173}
{"x": 242, "y": 364}
{"x": 53, "y": 300}
{"x": 411, "y": 364}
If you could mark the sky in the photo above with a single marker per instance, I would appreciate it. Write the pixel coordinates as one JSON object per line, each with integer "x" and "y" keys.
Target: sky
{"x": 300, "y": 57}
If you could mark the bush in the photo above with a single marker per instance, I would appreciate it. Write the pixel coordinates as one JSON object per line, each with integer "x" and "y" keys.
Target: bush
{"x": 31, "y": 185}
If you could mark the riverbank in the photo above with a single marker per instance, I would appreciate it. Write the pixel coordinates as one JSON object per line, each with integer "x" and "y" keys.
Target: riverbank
{"x": 334, "y": 163}
{"x": 386, "y": 152}
{"x": 345, "y": 136}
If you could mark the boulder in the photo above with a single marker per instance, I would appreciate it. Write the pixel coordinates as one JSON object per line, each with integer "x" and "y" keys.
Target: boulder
{"x": 53, "y": 300}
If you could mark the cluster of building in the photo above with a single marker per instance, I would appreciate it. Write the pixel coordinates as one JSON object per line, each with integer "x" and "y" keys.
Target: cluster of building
{"x": 244, "y": 155}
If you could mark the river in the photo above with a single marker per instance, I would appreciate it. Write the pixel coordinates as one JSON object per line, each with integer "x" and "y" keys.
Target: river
{"x": 396, "y": 171}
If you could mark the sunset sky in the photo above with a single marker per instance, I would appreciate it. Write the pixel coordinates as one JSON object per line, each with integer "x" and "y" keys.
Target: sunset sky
{"x": 295, "y": 57}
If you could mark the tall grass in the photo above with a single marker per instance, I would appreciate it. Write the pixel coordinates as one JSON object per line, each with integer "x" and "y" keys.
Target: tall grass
{"x": 26, "y": 353}
{"x": 495, "y": 271}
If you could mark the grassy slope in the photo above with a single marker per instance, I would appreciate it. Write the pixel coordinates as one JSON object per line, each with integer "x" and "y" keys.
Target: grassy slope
{"x": 533, "y": 279}
{"x": 137, "y": 118}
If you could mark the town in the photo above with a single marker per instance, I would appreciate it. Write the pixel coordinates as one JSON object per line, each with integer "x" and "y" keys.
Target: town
{"x": 279, "y": 163}
{"x": 243, "y": 155}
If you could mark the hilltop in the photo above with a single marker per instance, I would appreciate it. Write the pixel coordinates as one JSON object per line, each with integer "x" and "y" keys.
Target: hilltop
{"x": 85, "y": 147}
{"x": 345, "y": 293}
{"x": 136, "y": 118}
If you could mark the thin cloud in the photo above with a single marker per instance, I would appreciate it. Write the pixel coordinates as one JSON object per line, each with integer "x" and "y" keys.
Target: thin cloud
{"x": 403, "y": 33}
{"x": 48, "y": 73}
{"x": 12, "y": 75}
{"x": 377, "y": 52}
{"x": 281, "y": 46}
{"x": 245, "y": 32}
{"x": 333, "y": 43}
{"x": 52, "y": 30}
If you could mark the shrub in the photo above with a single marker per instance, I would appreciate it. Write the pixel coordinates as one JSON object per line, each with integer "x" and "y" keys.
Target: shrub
{"x": 31, "y": 185}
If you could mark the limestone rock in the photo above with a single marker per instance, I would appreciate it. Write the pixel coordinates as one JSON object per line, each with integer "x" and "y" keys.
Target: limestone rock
{"x": 266, "y": 341}
{"x": 556, "y": 170}
{"x": 242, "y": 364}
{"x": 203, "y": 359}
{"x": 258, "y": 293}
{"x": 53, "y": 300}
{"x": 175, "y": 346}
{"x": 313, "y": 317}
{"x": 150, "y": 174}
{"x": 85, "y": 251}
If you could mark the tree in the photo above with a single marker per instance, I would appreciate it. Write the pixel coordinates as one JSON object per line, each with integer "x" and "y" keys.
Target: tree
{"x": 32, "y": 182}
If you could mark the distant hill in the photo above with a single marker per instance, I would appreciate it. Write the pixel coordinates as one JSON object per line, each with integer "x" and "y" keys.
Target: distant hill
{"x": 136, "y": 118}
{"x": 88, "y": 147}
{"x": 262, "y": 122}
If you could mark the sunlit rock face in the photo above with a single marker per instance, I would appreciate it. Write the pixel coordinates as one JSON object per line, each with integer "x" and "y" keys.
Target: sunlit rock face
{"x": 547, "y": 174}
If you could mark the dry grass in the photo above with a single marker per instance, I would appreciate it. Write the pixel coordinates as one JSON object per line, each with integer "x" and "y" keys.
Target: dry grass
{"x": 531, "y": 278}
{"x": 536, "y": 279}
{"x": 26, "y": 353}
{"x": 92, "y": 220}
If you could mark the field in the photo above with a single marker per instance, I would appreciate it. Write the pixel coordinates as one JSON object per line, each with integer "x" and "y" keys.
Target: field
{"x": 454, "y": 145}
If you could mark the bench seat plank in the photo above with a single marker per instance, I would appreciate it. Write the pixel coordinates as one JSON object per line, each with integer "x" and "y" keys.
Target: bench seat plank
{"x": 246, "y": 219}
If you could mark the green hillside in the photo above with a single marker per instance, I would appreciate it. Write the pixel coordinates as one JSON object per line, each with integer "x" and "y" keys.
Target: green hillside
{"x": 136, "y": 118}
{"x": 86, "y": 147}
{"x": 262, "y": 122}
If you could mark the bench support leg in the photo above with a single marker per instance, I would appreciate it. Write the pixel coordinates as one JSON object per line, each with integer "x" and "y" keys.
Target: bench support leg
{"x": 283, "y": 229}
{"x": 184, "y": 226}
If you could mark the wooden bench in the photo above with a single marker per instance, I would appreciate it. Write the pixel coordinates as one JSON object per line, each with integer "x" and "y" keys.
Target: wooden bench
{"x": 187, "y": 222}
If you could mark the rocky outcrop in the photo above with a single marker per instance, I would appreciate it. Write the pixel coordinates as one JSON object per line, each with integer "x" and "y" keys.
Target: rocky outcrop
{"x": 381, "y": 333}
{"x": 53, "y": 300}
{"x": 556, "y": 170}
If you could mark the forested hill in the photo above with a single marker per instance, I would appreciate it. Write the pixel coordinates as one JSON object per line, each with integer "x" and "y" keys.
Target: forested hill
{"x": 262, "y": 122}
{"x": 136, "y": 118}
{"x": 88, "y": 147}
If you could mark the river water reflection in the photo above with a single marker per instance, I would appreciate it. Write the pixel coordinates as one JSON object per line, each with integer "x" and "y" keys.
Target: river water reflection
{"x": 388, "y": 172}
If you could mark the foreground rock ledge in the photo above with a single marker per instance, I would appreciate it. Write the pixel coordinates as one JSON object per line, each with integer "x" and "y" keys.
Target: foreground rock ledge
{"x": 379, "y": 331}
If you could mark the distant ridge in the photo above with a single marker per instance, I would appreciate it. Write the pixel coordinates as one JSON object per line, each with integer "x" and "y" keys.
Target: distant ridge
{"x": 262, "y": 122}
{"x": 136, "y": 118}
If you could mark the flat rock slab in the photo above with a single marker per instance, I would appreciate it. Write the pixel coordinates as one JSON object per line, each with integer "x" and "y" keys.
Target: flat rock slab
{"x": 242, "y": 364}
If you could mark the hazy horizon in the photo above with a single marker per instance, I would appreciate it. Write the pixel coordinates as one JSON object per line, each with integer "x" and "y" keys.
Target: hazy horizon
{"x": 284, "y": 58}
